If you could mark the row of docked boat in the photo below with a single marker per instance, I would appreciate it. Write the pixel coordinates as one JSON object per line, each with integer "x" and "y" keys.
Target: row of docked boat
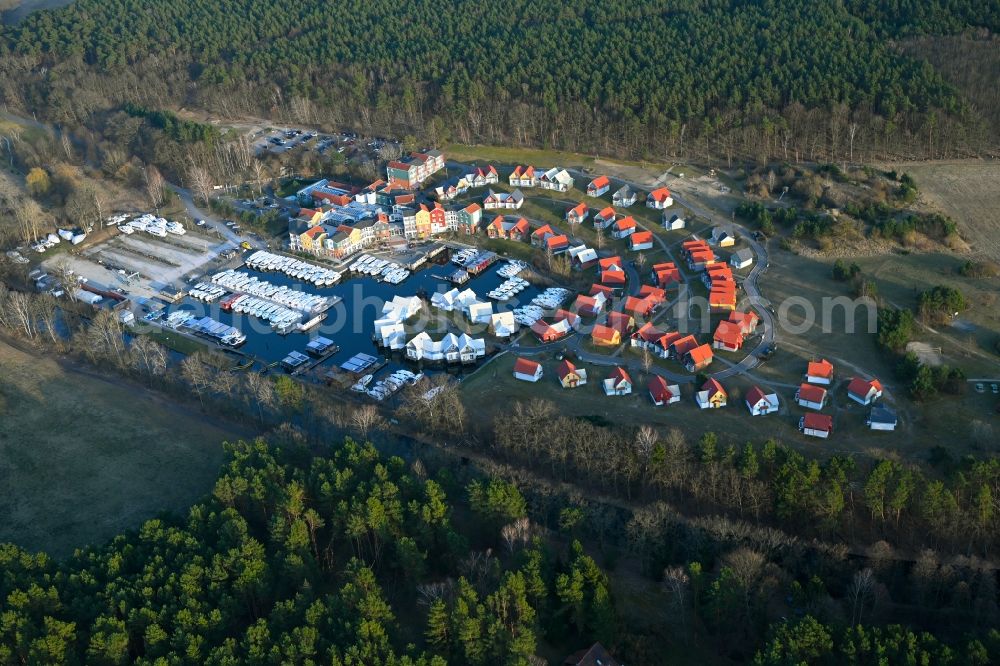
{"x": 528, "y": 315}
{"x": 280, "y": 317}
{"x": 251, "y": 284}
{"x": 510, "y": 288}
{"x": 206, "y": 292}
{"x": 462, "y": 256}
{"x": 551, "y": 298}
{"x": 207, "y": 327}
{"x": 511, "y": 268}
{"x": 381, "y": 269}
{"x": 262, "y": 260}
{"x": 383, "y": 388}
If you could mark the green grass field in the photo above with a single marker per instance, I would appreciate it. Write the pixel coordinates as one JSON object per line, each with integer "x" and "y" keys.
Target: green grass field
{"x": 82, "y": 458}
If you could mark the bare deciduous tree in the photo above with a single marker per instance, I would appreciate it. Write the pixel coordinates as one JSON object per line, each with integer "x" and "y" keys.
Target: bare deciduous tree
{"x": 366, "y": 418}
{"x": 154, "y": 185}
{"x": 201, "y": 182}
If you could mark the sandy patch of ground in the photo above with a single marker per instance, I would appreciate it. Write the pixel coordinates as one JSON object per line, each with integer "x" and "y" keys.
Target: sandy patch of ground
{"x": 968, "y": 191}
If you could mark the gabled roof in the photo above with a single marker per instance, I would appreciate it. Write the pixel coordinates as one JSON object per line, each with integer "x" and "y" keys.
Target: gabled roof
{"x": 659, "y": 389}
{"x": 608, "y": 262}
{"x": 565, "y": 369}
{"x": 713, "y": 387}
{"x": 728, "y": 334}
{"x": 861, "y": 387}
{"x": 822, "y": 368}
{"x": 755, "y": 395}
{"x": 700, "y": 354}
{"x": 525, "y": 367}
{"x": 619, "y": 374}
{"x": 571, "y": 317}
{"x": 810, "y": 393}
{"x": 638, "y": 305}
{"x": 660, "y": 194}
{"x": 607, "y": 213}
{"x": 543, "y": 232}
{"x": 603, "y": 333}
{"x": 627, "y": 222}
{"x": 601, "y": 289}
{"x": 599, "y": 182}
{"x": 580, "y": 209}
{"x": 815, "y": 421}
{"x": 555, "y": 242}
{"x": 684, "y": 345}
{"x": 641, "y": 237}
{"x": 746, "y": 319}
{"x": 649, "y": 291}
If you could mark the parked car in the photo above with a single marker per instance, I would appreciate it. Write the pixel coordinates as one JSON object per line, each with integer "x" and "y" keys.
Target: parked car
{"x": 995, "y": 388}
{"x": 980, "y": 388}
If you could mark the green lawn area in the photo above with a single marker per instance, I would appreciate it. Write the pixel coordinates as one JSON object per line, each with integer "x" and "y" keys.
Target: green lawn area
{"x": 82, "y": 458}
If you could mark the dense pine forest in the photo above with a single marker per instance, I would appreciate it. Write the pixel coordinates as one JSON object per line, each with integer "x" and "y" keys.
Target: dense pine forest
{"x": 355, "y": 558}
{"x": 793, "y": 79}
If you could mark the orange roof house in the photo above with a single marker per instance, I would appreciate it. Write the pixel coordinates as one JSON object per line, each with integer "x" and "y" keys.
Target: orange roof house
{"x": 539, "y": 235}
{"x": 727, "y": 336}
{"x": 698, "y": 358}
{"x": 647, "y": 333}
{"x": 570, "y": 376}
{"x": 621, "y": 322}
{"x": 747, "y": 321}
{"x": 612, "y": 273}
{"x": 722, "y": 297}
{"x": 639, "y": 307}
{"x": 604, "y": 218}
{"x": 557, "y": 244}
{"x": 590, "y": 306}
{"x": 605, "y": 336}
{"x": 712, "y": 395}
{"x": 547, "y": 332}
{"x": 623, "y": 227}
{"x": 526, "y": 370}
{"x": 659, "y": 198}
{"x": 819, "y": 372}
{"x": 812, "y": 397}
{"x": 864, "y": 391}
{"x": 598, "y": 186}
{"x": 566, "y": 315}
{"x": 640, "y": 240}
{"x": 577, "y": 213}
{"x": 663, "y": 393}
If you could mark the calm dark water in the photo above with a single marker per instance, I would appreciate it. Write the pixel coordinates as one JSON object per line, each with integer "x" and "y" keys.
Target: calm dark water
{"x": 350, "y": 323}
{"x": 27, "y": 6}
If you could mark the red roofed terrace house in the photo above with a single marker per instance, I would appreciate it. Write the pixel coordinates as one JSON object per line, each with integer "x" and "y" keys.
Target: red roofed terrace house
{"x": 711, "y": 395}
{"x": 570, "y": 376}
{"x": 662, "y": 393}
{"x": 618, "y": 382}
{"x": 666, "y": 275}
{"x": 598, "y": 186}
{"x": 816, "y": 425}
{"x": 760, "y": 403}
{"x": 409, "y": 173}
{"x": 819, "y": 372}
{"x": 528, "y": 371}
{"x": 651, "y": 338}
{"x": 699, "y": 358}
{"x": 681, "y": 346}
{"x": 639, "y": 307}
{"x": 659, "y": 199}
{"x": 864, "y": 391}
{"x": 811, "y": 397}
